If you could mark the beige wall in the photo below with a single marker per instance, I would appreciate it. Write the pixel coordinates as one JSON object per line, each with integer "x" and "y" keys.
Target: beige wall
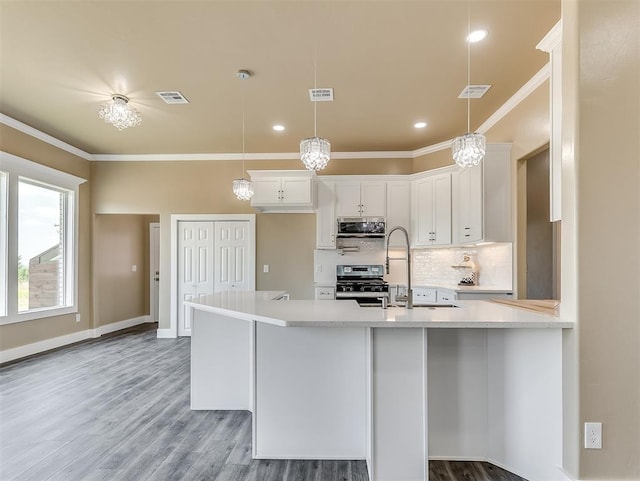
{"x": 21, "y": 333}
{"x": 120, "y": 241}
{"x": 286, "y": 242}
{"x": 607, "y": 232}
{"x": 205, "y": 187}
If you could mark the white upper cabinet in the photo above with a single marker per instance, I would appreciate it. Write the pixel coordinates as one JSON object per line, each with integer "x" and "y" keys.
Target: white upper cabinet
{"x": 482, "y": 199}
{"x": 325, "y": 215}
{"x": 282, "y": 191}
{"x": 431, "y": 211}
{"x": 361, "y": 199}
{"x": 398, "y": 210}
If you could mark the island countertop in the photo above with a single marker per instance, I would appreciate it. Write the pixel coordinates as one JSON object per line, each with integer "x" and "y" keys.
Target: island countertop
{"x": 264, "y": 306}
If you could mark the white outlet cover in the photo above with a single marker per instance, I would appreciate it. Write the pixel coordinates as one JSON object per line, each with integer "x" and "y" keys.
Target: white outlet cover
{"x": 593, "y": 435}
{"x": 265, "y": 268}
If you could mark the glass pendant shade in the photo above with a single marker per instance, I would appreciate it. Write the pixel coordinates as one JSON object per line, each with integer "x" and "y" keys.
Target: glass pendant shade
{"x": 469, "y": 149}
{"x": 243, "y": 189}
{"x": 315, "y": 153}
{"x": 119, "y": 113}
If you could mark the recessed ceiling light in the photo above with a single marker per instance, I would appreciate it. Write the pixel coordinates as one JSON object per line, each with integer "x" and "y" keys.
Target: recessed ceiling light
{"x": 476, "y": 36}
{"x": 278, "y": 128}
{"x": 420, "y": 125}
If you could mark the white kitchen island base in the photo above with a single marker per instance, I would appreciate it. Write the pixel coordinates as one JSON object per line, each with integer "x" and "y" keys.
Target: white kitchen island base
{"x": 395, "y": 395}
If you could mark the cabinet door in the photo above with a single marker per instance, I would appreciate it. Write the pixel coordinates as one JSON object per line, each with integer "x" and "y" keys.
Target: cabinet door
{"x": 445, "y": 296}
{"x": 266, "y": 191}
{"x": 442, "y": 210}
{"x": 398, "y": 209}
{"x": 325, "y": 216}
{"x": 348, "y": 199}
{"x": 424, "y": 295}
{"x": 373, "y": 199}
{"x": 468, "y": 201}
{"x": 296, "y": 190}
{"x": 422, "y": 210}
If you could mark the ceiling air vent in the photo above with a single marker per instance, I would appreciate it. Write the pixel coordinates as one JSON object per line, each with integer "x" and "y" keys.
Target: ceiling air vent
{"x": 321, "y": 95}
{"x": 474, "y": 91}
{"x": 172, "y": 97}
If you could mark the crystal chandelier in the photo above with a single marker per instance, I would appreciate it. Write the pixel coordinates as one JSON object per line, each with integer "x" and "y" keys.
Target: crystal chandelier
{"x": 119, "y": 113}
{"x": 469, "y": 149}
{"x": 315, "y": 152}
{"x": 243, "y": 188}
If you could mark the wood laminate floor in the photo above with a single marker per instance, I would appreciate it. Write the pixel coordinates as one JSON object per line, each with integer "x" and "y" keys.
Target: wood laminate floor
{"x": 117, "y": 409}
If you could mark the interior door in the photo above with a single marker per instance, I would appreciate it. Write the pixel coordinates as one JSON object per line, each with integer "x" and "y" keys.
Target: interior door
{"x": 195, "y": 267}
{"x": 232, "y": 256}
{"x": 154, "y": 270}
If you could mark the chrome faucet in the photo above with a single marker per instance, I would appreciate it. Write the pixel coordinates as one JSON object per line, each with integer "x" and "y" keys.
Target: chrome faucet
{"x": 408, "y": 297}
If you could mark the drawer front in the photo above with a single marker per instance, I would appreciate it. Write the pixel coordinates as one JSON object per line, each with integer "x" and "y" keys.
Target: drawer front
{"x": 325, "y": 293}
{"x": 424, "y": 296}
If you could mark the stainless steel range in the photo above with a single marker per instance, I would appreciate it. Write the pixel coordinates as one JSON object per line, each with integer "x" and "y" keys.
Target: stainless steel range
{"x": 363, "y": 283}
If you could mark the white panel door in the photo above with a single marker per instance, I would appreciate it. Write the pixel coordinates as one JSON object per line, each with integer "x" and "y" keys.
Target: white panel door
{"x": 442, "y": 210}
{"x": 348, "y": 199}
{"x": 296, "y": 190}
{"x": 232, "y": 256}
{"x": 195, "y": 267}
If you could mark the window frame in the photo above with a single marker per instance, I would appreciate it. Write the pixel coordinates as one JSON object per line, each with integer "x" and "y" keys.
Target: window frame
{"x": 15, "y": 169}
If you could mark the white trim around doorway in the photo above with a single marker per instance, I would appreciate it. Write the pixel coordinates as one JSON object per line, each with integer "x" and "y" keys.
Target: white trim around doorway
{"x": 172, "y": 331}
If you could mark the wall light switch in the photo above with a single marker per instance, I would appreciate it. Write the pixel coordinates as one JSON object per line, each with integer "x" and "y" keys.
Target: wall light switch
{"x": 265, "y": 268}
{"x": 134, "y": 268}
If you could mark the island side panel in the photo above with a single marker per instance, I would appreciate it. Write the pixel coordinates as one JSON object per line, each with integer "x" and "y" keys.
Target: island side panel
{"x": 399, "y": 405}
{"x": 220, "y": 362}
{"x": 310, "y": 393}
{"x": 525, "y": 402}
{"x": 457, "y": 394}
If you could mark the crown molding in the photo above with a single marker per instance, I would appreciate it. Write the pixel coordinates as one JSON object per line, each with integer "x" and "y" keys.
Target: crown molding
{"x": 552, "y": 39}
{"x": 527, "y": 89}
{"x": 538, "y": 79}
{"x": 37, "y": 134}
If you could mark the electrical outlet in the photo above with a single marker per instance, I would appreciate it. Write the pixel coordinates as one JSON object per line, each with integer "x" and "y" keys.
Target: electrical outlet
{"x": 78, "y": 318}
{"x": 265, "y": 268}
{"x": 134, "y": 268}
{"x": 593, "y": 435}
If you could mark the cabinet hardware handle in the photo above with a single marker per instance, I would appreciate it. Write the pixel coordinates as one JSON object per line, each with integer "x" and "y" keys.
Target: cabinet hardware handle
{"x": 467, "y": 235}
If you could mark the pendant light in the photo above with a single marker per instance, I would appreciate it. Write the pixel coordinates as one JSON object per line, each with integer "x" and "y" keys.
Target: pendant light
{"x": 243, "y": 188}
{"x": 315, "y": 152}
{"x": 469, "y": 149}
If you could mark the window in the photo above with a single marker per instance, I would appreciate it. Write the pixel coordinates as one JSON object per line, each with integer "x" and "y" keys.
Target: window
{"x": 38, "y": 223}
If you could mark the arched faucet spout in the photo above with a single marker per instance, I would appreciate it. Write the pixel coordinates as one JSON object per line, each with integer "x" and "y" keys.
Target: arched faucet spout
{"x": 408, "y": 297}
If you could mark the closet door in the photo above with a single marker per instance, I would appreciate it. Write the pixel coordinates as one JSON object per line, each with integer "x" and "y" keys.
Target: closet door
{"x": 232, "y": 256}
{"x": 195, "y": 267}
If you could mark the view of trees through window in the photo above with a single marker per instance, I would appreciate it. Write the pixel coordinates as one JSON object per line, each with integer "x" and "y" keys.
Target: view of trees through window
{"x": 41, "y": 267}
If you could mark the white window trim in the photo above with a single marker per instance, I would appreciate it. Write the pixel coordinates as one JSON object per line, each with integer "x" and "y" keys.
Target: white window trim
{"x": 17, "y": 167}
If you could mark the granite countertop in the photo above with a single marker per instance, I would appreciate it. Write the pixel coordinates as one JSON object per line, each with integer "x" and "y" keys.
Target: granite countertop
{"x": 260, "y": 306}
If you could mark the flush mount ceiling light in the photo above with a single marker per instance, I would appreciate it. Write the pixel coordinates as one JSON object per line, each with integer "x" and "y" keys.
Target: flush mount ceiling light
{"x": 476, "y": 36}
{"x": 243, "y": 188}
{"x": 469, "y": 149}
{"x": 278, "y": 128}
{"x": 420, "y": 125}
{"x": 315, "y": 152}
{"x": 119, "y": 113}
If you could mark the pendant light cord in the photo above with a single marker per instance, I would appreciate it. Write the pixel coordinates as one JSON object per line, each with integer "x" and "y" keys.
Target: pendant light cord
{"x": 242, "y": 101}
{"x": 468, "y": 66}
{"x": 315, "y": 87}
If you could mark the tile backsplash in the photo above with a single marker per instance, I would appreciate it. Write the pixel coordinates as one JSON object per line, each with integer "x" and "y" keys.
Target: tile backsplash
{"x": 434, "y": 266}
{"x": 430, "y": 266}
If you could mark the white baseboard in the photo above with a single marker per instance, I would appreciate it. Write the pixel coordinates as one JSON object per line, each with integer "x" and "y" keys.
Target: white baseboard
{"x": 116, "y": 326}
{"x": 60, "y": 341}
{"x": 166, "y": 333}
{"x": 458, "y": 458}
{"x": 46, "y": 345}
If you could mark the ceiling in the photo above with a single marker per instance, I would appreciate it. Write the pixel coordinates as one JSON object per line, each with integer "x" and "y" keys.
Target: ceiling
{"x": 391, "y": 63}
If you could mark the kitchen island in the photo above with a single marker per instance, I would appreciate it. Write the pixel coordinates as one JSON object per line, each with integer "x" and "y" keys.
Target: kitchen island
{"x": 332, "y": 380}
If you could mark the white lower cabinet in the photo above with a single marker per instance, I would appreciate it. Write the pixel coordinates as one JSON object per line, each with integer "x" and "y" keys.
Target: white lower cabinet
{"x": 325, "y": 293}
{"x": 424, "y": 295}
{"x": 445, "y": 296}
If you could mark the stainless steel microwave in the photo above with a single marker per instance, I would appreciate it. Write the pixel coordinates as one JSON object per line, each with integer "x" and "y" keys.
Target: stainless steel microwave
{"x": 366, "y": 227}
